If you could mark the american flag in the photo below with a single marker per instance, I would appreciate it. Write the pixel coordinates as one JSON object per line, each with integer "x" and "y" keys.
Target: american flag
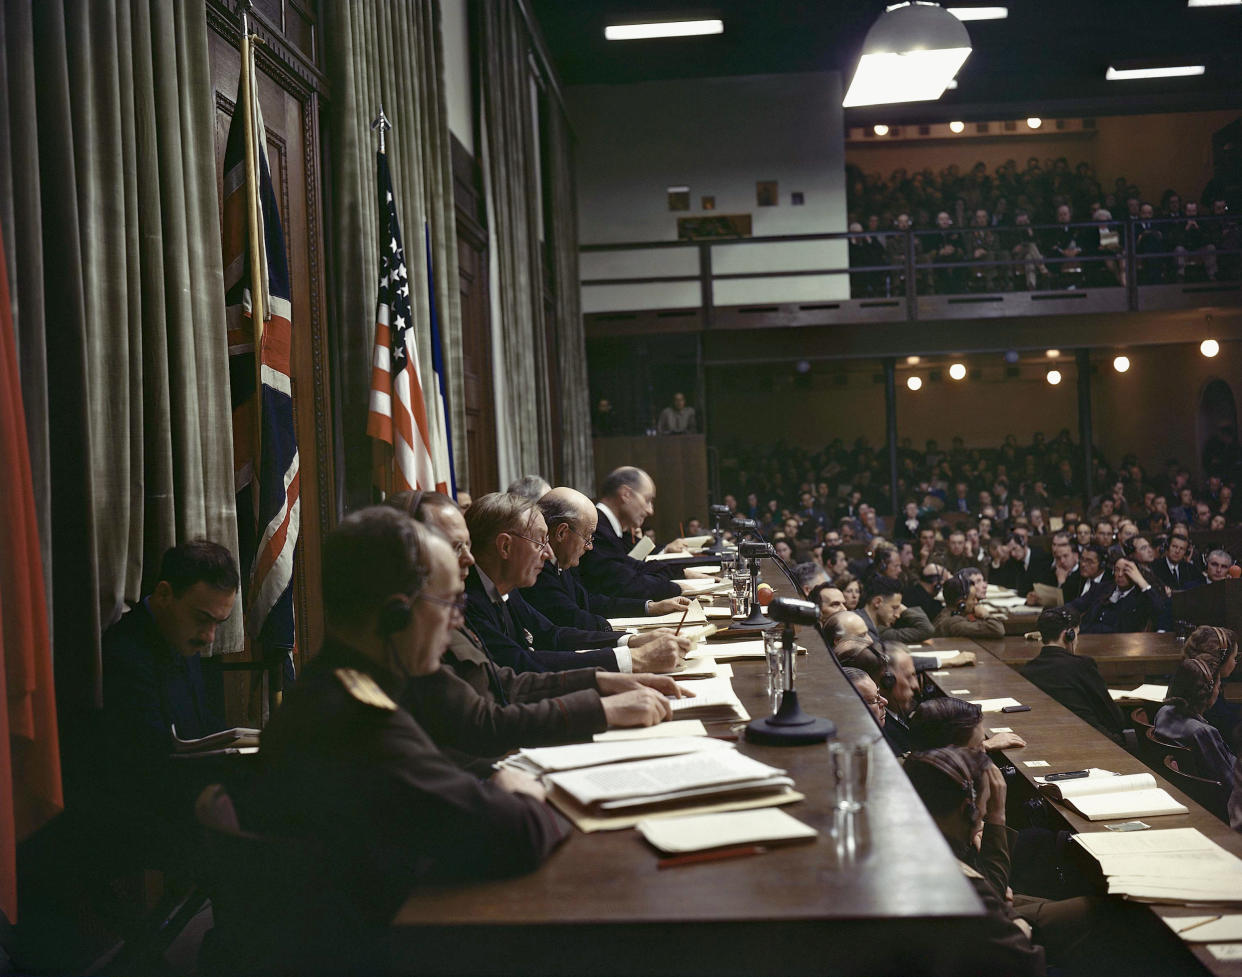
{"x": 268, "y": 502}
{"x": 398, "y": 413}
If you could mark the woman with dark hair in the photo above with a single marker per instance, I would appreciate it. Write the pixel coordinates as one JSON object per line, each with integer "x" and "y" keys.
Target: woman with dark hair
{"x": 1194, "y": 688}
{"x": 947, "y": 721}
{"x": 850, "y": 589}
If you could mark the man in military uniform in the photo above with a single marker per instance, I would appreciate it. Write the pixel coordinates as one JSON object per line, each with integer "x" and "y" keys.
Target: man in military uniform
{"x": 348, "y": 769}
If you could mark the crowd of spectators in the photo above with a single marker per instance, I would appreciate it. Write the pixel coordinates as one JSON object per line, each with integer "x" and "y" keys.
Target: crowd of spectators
{"x": 1020, "y": 225}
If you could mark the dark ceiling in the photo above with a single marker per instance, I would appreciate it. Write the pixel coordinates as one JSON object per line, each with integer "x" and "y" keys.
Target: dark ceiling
{"x": 1048, "y": 56}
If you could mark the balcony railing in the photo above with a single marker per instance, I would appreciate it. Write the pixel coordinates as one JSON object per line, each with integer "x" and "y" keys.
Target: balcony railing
{"x": 813, "y": 279}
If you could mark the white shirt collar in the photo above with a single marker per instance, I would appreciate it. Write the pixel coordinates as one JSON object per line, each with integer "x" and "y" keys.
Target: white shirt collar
{"x": 612, "y": 519}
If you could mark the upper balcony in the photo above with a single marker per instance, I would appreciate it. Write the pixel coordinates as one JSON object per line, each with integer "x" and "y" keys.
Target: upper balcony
{"x": 1080, "y": 284}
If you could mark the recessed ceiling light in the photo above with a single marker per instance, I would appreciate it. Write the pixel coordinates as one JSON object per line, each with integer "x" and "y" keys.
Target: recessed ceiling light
{"x": 957, "y": 126}
{"x": 880, "y": 130}
{"x": 1052, "y": 354}
{"x": 1034, "y": 122}
{"x": 914, "y": 383}
{"x": 982, "y": 13}
{"x": 1172, "y": 71}
{"x": 677, "y": 28}
{"x": 912, "y": 360}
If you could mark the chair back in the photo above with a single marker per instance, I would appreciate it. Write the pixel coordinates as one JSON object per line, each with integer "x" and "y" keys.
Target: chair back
{"x": 1211, "y": 795}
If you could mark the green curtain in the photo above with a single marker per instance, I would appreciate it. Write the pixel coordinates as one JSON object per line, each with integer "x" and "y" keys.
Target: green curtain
{"x": 577, "y": 456}
{"x": 390, "y": 52}
{"x": 119, "y": 304}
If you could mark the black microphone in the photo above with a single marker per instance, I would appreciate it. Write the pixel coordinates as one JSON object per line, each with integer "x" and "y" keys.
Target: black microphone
{"x": 719, "y": 514}
{"x": 753, "y": 549}
{"x": 790, "y": 610}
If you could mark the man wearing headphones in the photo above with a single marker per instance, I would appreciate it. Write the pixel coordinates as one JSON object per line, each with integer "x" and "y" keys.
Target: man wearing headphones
{"x": 958, "y": 619}
{"x": 348, "y": 769}
{"x": 1073, "y": 680}
{"x": 891, "y": 667}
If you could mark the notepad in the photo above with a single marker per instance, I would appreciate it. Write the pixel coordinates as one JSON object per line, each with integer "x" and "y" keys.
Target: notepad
{"x": 239, "y": 738}
{"x": 995, "y": 705}
{"x": 643, "y": 782}
{"x": 1144, "y": 693}
{"x": 642, "y": 548}
{"x": 1108, "y": 798}
{"x": 694, "y": 615}
{"x": 671, "y": 727}
{"x": 549, "y": 759}
{"x": 702, "y": 832}
{"x": 714, "y": 701}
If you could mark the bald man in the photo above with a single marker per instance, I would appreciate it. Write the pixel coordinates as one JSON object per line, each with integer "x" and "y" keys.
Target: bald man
{"x": 559, "y": 593}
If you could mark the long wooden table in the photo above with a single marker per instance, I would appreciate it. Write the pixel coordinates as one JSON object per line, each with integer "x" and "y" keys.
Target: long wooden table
{"x": 1065, "y": 742}
{"x": 601, "y": 906}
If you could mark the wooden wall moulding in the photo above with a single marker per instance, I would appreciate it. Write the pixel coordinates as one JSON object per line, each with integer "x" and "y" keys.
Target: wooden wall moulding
{"x": 292, "y": 70}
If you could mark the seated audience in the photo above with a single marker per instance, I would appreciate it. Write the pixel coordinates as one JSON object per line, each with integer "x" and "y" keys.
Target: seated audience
{"x": 1130, "y": 603}
{"x": 1073, "y": 680}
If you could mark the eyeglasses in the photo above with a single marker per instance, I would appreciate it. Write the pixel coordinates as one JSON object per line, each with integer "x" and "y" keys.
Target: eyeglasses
{"x": 588, "y": 540}
{"x": 541, "y": 543}
{"x": 876, "y": 700}
{"x": 457, "y": 604}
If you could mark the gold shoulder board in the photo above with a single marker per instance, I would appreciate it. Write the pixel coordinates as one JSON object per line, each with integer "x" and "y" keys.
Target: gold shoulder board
{"x": 365, "y": 689}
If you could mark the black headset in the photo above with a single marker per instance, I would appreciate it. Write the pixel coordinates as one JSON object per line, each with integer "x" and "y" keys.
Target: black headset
{"x": 394, "y": 615}
{"x": 1067, "y": 618}
{"x": 888, "y": 678}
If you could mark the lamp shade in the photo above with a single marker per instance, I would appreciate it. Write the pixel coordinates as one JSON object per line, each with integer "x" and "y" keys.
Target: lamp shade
{"x": 910, "y": 54}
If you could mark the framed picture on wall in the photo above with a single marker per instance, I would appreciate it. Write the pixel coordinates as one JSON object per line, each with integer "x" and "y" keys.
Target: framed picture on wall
{"x": 678, "y": 198}
{"x": 767, "y": 193}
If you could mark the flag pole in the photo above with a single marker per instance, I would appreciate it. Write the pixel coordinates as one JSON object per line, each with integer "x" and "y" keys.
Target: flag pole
{"x": 257, "y": 311}
{"x": 381, "y": 124}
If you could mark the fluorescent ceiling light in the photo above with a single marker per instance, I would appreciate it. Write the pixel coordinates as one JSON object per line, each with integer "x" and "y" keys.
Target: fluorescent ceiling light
{"x": 680, "y": 28}
{"x": 910, "y": 54}
{"x": 1175, "y": 71}
{"x": 1214, "y": 3}
{"x": 985, "y": 13}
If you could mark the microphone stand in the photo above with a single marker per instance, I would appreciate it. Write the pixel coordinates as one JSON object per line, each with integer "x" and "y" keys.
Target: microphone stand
{"x": 790, "y": 726}
{"x": 756, "y": 618}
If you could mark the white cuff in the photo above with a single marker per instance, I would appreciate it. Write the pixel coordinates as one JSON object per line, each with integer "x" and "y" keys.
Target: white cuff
{"x": 624, "y": 662}
{"x": 625, "y": 640}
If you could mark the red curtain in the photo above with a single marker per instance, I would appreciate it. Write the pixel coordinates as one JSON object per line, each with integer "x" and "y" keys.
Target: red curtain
{"x": 30, "y": 789}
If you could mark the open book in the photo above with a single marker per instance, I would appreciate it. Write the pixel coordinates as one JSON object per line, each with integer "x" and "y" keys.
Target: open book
{"x": 1102, "y": 798}
{"x": 714, "y": 701}
{"x": 641, "y": 783}
{"x": 238, "y": 738}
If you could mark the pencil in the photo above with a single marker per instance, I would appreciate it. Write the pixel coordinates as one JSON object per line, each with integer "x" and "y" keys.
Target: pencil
{"x": 1202, "y": 922}
{"x": 683, "y": 620}
{"x": 721, "y": 854}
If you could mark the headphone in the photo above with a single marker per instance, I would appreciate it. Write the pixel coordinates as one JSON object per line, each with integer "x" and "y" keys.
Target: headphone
{"x": 1067, "y": 618}
{"x": 1225, "y": 648}
{"x": 888, "y": 678}
{"x": 394, "y": 615}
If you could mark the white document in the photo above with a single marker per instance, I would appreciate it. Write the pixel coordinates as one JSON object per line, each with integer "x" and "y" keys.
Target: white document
{"x": 701, "y": 832}
{"x": 673, "y": 727}
{"x": 653, "y": 778}
{"x": 698, "y": 587}
{"x": 995, "y": 705}
{"x": 547, "y": 759}
{"x": 1106, "y": 798}
{"x": 938, "y": 656}
{"x": 642, "y": 548}
{"x": 714, "y": 698}
{"x": 1225, "y": 951}
{"x": 1142, "y": 842}
{"x": 1144, "y": 693}
{"x": 718, "y": 612}
{"x": 693, "y": 615}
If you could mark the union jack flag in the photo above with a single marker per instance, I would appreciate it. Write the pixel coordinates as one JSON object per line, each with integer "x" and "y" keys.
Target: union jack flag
{"x": 268, "y": 502}
{"x": 398, "y": 413}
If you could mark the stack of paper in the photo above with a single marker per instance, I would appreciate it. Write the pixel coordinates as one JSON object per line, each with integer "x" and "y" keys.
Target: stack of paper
{"x": 714, "y": 701}
{"x": 648, "y": 783}
{"x": 700, "y": 586}
{"x": 938, "y": 656}
{"x": 669, "y": 728}
{"x": 1144, "y": 693}
{"x": 693, "y": 615}
{"x": 1178, "y": 866}
{"x": 995, "y": 705}
{"x": 732, "y": 651}
{"x": 1106, "y": 796}
{"x": 701, "y": 832}
{"x": 551, "y": 759}
{"x": 702, "y": 667}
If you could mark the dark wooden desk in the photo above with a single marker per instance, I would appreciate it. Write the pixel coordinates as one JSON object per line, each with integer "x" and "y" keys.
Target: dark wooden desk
{"x": 1055, "y": 734}
{"x": 601, "y": 906}
{"x": 1118, "y": 655}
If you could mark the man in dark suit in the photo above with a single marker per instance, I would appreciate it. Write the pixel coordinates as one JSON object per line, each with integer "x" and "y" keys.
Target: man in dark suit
{"x": 1173, "y": 570}
{"x": 476, "y": 710}
{"x": 1073, "y": 680}
{"x": 558, "y": 593}
{"x": 1065, "y": 567}
{"x": 509, "y": 540}
{"x": 1129, "y": 603}
{"x": 626, "y": 501}
{"x": 1025, "y": 567}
